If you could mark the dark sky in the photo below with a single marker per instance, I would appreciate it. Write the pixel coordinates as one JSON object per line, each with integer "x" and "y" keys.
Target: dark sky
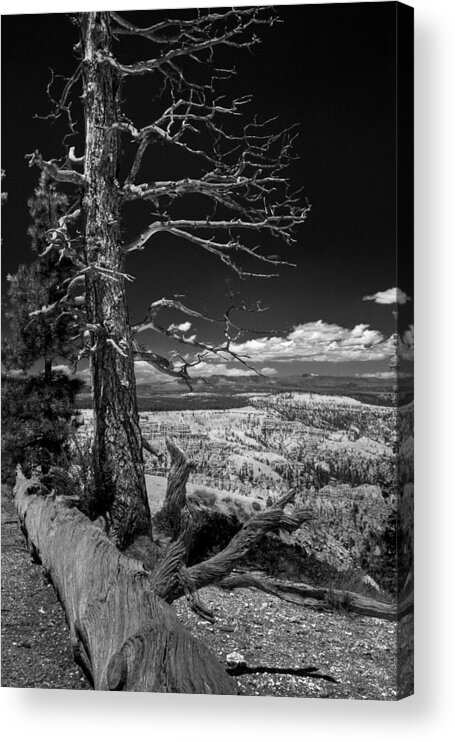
{"x": 331, "y": 69}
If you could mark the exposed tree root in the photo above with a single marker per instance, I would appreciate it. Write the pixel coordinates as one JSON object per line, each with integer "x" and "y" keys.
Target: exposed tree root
{"x": 318, "y": 597}
{"x": 173, "y": 578}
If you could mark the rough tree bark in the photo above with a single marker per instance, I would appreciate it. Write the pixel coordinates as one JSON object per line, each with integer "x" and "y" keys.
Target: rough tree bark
{"x": 119, "y": 472}
{"x": 123, "y": 635}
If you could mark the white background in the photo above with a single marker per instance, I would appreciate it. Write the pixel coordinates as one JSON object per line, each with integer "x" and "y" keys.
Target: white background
{"x": 66, "y": 715}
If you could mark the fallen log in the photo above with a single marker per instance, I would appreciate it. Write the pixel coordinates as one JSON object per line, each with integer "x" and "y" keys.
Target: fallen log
{"x": 124, "y": 636}
{"x": 319, "y": 597}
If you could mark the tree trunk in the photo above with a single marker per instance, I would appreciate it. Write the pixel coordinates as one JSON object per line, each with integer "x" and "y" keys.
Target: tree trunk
{"x": 123, "y": 635}
{"x": 119, "y": 474}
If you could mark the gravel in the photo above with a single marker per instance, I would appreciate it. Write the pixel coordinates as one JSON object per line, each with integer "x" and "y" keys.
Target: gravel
{"x": 359, "y": 652}
{"x": 36, "y": 649}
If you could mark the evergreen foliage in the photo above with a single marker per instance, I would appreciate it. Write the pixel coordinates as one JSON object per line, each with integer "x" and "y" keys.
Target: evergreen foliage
{"x": 44, "y": 336}
{"x": 38, "y": 418}
{"x": 38, "y": 410}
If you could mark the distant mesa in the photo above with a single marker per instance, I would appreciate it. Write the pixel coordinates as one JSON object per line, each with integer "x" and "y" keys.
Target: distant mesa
{"x": 369, "y": 389}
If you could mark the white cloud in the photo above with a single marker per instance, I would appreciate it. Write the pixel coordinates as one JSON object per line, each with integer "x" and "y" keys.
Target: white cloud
{"x": 268, "y": 371}
{"x": 408, "y": 337}
{"x": 378, "y": 375}
{"x": 313, "y": 341}
{"x": 183, "y": 327}
{"x": 319, "y": 341}
{"x": 206, "y": 368}
{"x": 389, "y": 296}
{"x": 211, "y": 366}
{"x": 406, "y": 344}
{"x": 145, "y": 373}
{"x": 396, "y": 374}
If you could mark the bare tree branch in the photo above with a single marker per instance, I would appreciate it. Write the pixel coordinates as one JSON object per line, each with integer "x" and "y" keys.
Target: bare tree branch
{"x": 223, "y": 350}
{"x": 56, "y": 173}
{"x": 275, "y": 518}
{"x": 202, "y": 34}
{"x": 63, "y": 104}
{"x": 72, "y": 156}
{"x": 165, "y": 366}
{"x": 173, "y": 578}
{"x": 178, "y": 366}
{"x": 219, "y": 249}
{"x": 151, "y": 449}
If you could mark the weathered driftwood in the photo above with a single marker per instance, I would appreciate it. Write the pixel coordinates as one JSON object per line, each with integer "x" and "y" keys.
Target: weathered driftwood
{"x": 318, "y": 597}
{"x": 124, "y": 635}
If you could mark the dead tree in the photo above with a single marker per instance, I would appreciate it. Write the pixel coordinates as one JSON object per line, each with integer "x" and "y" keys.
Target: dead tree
{"x": 240, "y": 174}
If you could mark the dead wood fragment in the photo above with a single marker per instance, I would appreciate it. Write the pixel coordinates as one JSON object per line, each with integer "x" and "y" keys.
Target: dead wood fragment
{"x": 317, "y": 597}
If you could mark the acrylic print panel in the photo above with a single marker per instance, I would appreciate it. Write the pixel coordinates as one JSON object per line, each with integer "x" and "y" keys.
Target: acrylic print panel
{"x": 208, "y": 351}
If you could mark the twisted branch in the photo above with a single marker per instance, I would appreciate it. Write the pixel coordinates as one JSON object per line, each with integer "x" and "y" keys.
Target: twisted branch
{"x": 190, "y": 38}
{"x": 173, "y": 578}
{"x": 56, "y": 173}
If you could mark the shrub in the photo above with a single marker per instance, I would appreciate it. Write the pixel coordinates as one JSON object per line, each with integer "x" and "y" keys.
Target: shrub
{"x": 378, "y": 557}
{"x": 241, "y": 511}
{"x": 352, "y": 581}
{"x": 204, "y": 497}
{"x": 74, "y": 479}
{"x": 38, "y": 418}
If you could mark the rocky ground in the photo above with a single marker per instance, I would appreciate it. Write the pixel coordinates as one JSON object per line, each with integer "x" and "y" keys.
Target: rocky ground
{"x": 36, "y": 651}
{"x": 360, "y": 653}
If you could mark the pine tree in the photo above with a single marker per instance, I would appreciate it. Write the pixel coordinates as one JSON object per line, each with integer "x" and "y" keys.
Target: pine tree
{"x": 38, "y": 408}
{"x": 35, "y": 336}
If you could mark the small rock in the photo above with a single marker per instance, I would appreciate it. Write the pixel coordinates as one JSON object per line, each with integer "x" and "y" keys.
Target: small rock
{"x": 234, "y": 659}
